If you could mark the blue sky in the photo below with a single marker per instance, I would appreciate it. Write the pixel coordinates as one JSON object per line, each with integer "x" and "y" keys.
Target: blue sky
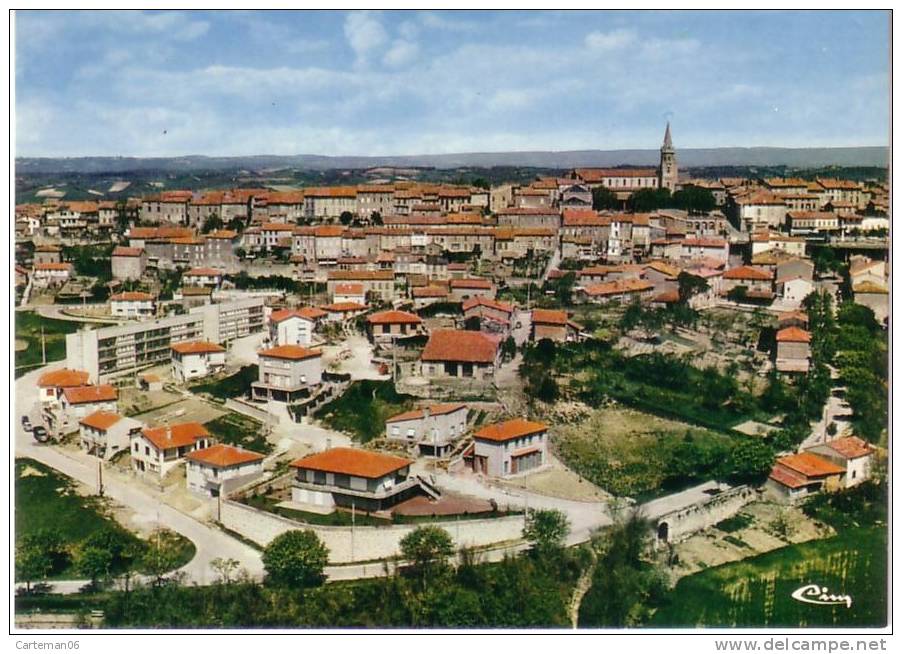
{"x": 239, "y": 83}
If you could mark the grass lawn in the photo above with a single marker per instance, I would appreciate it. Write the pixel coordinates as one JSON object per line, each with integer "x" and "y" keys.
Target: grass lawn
{"x": 241, "y": 431}
{"x": 757, "y": 592}
{"x": 234, "y": 385}
{"x": 628, "y": 452}
{"x": 46, "y": 499}
{"x": 28, "y": 329}
{"x": 363, "y": 409}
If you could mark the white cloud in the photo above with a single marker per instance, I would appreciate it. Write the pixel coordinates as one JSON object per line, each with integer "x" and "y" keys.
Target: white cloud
{"x": 613, "y": 40}
{"x": 438, "y": 21}
{"x": 364, "y": 33}
{"x": 401, "y": 52}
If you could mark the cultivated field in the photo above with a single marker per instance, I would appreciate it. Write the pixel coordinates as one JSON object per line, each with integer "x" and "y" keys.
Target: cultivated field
{"x": 757, "y": 592}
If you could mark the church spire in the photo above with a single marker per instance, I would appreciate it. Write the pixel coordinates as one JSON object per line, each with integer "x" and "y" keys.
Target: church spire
{"x": 668, "y": 142}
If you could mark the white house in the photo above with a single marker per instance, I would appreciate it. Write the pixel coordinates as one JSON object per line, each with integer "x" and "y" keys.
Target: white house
{"x": 195, "y": 359}
{"x": 509, "y": 448}
{"x": 78, "y": 402}
{"x": 51, "y": 274}
{"x": 160, "y": 449}
{"x": 202, "y": 277}
{"x": 133, "y": 304}
{"x": 52, "y": 384}
{"x": 287, "y": 373}
{"x": 852, "y": 453}
{"x": 105, "y": 434}
{"x": 432, "y": 428}
{"x": 294, "y": 326}
{"x": 349, "y": 292}
{"x": 220, "y": 468}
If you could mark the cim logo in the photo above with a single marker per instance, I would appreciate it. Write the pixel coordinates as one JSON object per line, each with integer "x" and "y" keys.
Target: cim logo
{"x": 821, "y": 595}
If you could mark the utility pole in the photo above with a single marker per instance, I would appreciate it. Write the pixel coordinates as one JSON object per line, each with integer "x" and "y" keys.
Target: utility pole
{"x": 43, "y": 347}
{"x": 100, "y": 478}
{"x": 353, "y": 524}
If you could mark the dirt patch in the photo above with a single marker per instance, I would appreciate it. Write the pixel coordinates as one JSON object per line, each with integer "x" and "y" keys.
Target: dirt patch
{"x": 29, "y": 471}
{"x": 183, "y": 409}
{"x": 558, "y": 481}
{"x": 21, "y": 345}
{"x": 716, "y": 546}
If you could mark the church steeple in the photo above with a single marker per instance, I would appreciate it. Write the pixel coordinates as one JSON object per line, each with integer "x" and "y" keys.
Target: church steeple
{"x": 667, "y": 171}
{"x": 668, "y": 142}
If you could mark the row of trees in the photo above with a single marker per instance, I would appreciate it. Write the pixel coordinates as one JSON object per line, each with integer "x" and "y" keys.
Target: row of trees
{"x": 693, "y": 199}
{"x": 99, "y": 557}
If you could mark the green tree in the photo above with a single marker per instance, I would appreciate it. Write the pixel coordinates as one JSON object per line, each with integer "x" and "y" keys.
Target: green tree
{"x": 750, "y": 460}
{"x": 296, "y": 558}
{"x": 236, "y": 224}
{"x": 160, "y": 556}
{"x": 473, "y": 324}
{"x": 346, "y": 217}
{"x": 604, "y": 198}
{"x": 94, "y": 562}
{"x": 211, "y": 224}
{"x": 695, "y": 200}
{"x": 738, "y": 293}
{"x": 649, "y": 199}
{"x": 690, "y": 285}
{"x": 376, "y": 218}
{"x": 50, "y": 543}
{"x": 547, "y": 389}
{"x": 427, "y": 549}
{"x": 508, "y": 348}
{"x": 546, "y": 530}
{"x": 32, "y": 564}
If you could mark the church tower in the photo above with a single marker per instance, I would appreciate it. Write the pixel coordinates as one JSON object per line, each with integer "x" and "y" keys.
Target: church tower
{"x": 667, "y": 171}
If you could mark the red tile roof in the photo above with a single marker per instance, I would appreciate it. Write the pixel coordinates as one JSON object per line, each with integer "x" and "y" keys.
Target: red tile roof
{"x": 481, "y": 301}
{"x": 430, "y": 291}
{"x": 101, "y": 420}
{"x": 748, "y": 272}
{"x": 343, "y": 307}
{"x": 186, "y": 433}
{"x": 460, "y": 346}
{"x": 89, "y": 394}
{"x": 482, "y": 284}
{"x": 618, "y": 286}
{"x": 196, "y": 347}
{"x": 53, "y": 266}
{"x": 63, "y": 378}
{"x": 509, "y": 430}
{"x": 394, "y": 318}
{"x": 851, "y": 447}
{"x": 204, "y": 272}
{"x": 291, "y": 352}
{"x": 793, "y": 335}
{"x": 787, "y": 478}
{"x": 121, "y": 251}
{"x": 434, "y": 410}
{"x": 598, "y": 174}
{"x": 223, "y": 456}
{"x": 132, "y": 296}
{"x": 810, "y": 465}
{"x": 353, "y": 462}
{"x": 349, "y": 288}
{"x": 549, "y": 317}
{"x": 584, "y": 218}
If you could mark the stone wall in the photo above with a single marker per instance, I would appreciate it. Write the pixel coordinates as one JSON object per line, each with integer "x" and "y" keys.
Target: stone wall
{"x": 366, "y": 543}
{"x": 682, "y": 523}
{"x": 251, "y": 411}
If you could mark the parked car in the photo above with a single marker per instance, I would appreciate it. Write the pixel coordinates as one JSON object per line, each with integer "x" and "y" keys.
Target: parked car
{"x": 26, "y": 423}
{"x": 40, "y": 434}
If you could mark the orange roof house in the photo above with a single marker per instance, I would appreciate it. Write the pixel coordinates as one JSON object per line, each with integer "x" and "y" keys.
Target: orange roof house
{"x": 460, "y": 346}
{"x": 224, "y": 456}
{"x": 793, "y": 335}
{"x": 180, "y": 435}
{"x": 509, "y": 430}
{"x": 196, "y": 347}
{"x": 90, "y": 394}
{"x": 100, "y": 420}
{"x": 352, "y": 462}
{"x": 290, "y": 353}
{"x": 394, "y": 318}
{"x": 63, "y": 378}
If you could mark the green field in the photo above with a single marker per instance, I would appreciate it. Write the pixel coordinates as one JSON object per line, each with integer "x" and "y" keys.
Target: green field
{"x": 28, "y": 329}
{"x": 363, "y": 409}
{"x": 47, "y": 500}
{"x": 241, "y": 431}
{"x": 757, "y": 592}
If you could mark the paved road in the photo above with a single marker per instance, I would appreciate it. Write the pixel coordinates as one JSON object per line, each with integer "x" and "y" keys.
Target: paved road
{"x": 210, "y": 542}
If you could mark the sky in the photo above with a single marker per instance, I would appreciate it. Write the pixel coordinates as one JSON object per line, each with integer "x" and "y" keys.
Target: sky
{"x": 226, "y": 83}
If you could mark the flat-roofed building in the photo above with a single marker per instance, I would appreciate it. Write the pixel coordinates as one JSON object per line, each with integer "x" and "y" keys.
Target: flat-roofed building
{"x": 133, "y": 304}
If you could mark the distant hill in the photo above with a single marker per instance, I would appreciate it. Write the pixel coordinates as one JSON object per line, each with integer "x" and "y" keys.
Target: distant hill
{"x": 687, "y": 158}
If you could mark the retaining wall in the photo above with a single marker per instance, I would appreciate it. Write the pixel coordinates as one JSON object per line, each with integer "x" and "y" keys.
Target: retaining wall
{"x": 366, "y": 543}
